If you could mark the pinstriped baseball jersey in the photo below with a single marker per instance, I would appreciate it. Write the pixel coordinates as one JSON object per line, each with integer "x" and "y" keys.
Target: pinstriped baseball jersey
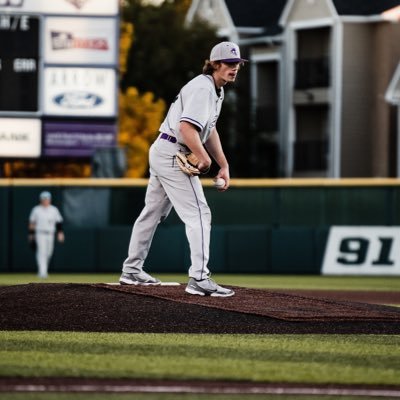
{"x": 197, "y": 103}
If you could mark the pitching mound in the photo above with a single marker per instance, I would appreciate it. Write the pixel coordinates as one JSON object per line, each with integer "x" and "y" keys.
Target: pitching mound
{"x": 110, "y": 308}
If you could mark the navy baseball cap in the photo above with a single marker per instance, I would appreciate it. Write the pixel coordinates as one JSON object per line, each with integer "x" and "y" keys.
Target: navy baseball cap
{"x": 45, "y": 195}
{"x": 226, "y": 52}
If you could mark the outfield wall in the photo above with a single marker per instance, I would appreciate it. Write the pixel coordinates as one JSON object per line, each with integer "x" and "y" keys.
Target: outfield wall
{"x": 275, "y": 226}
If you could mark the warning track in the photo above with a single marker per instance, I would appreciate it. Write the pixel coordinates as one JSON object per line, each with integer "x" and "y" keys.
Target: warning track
{"x": 74, "y": 385}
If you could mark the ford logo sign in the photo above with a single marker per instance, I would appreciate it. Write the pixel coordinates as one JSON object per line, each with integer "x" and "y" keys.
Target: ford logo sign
{"x": 78, "y": 100}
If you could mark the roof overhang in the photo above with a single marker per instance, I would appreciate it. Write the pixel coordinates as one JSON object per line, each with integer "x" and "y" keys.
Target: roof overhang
{"x": 392, "y": 94}
{"x": 392, "y": 14}
{"x": 268, "y": 40}
{"x": 250, "y": 30}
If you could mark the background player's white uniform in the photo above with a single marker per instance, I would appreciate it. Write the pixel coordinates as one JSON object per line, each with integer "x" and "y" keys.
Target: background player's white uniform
{"x": 45, "y": 219}
{"x": 199, "y": 104}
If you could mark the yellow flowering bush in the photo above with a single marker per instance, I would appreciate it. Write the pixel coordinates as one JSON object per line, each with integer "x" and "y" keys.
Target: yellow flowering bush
{"x": 140, "y": 118}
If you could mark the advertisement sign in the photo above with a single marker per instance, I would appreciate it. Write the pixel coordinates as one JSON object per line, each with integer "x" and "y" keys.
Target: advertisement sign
{"x": 362, "y": 250}
{"x": 20, "y": 137}
{"x": 85, "y": 92}
{"x": 80, "y": 40}
{"x": 19, "y": 55}
{"x": 77, "y": 139}
{"x": 79, "y": 7}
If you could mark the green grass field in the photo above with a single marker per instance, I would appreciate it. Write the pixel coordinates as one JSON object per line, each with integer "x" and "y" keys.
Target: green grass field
{"x": 345, "y": 359}
{"x": 388, "y": 283}
{"x": 311, "y": 359}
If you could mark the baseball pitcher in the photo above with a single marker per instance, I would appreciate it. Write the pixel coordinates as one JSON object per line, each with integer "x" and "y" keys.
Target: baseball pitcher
{"x": 188, "y": 137}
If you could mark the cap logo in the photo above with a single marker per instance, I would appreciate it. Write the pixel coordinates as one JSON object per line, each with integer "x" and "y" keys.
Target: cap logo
{"x": 233, "y": 51}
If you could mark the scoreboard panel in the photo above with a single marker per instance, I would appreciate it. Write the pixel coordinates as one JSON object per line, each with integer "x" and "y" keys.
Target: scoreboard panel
{"x": 19, "y": 62}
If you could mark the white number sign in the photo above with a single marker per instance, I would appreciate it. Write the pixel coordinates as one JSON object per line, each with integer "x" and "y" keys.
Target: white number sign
{"x": 362, "y": 250}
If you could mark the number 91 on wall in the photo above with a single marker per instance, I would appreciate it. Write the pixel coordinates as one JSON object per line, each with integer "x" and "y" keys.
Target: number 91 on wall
{"x": 362, "y": 250}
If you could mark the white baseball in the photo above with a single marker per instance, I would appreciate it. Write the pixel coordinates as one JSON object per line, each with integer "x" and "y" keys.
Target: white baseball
{"x": 219, "y": 183}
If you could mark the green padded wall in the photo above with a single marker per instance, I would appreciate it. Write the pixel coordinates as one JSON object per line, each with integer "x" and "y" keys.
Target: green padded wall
{"x": 278, "y": 229}
{"x": 301, "y": 206}
{"x": 112, "y": 247}
{"x": 357, "y": 206}
{"x": 248, "y": 249}
{"x": 79, "y": 252}
{"x": 294, "y": 251}
{"x": 4, "y": 229}
{"x": 243, "y": 206}
{"x": 169, "y": 250}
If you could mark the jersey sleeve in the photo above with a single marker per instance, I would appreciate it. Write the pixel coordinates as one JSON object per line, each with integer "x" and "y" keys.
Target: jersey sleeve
{"x": 59, "y": 218}
{"x": 197, "y": 107}
{"x": 33, "y": 216}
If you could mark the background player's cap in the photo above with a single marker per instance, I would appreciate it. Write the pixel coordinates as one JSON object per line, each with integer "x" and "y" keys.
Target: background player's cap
{"x": 226, "y": 52}
{"x": 45, "y": 195}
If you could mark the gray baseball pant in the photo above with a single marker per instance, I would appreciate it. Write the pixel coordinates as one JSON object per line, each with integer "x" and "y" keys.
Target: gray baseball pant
{"x": 169, "y": 187}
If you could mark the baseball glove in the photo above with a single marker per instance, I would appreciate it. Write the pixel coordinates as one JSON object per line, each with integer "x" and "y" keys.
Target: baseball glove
{"x": 32, "y": 243}
{"x": 188, "y": 163}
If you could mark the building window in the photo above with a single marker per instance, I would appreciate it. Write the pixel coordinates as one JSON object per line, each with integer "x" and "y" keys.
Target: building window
{"x": 311, "y": 143}
{"x": 312, "y": 66}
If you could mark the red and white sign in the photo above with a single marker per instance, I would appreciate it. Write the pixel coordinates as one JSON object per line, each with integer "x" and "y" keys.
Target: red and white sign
{"x": 80, "y": 40}
{"x": 20, "y": 137}
{"x": 78, "y": 7}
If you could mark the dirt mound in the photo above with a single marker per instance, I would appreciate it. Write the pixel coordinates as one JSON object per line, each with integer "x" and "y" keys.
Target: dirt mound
{"x": 278, "y": 305}
{"x": 105, "y": 308}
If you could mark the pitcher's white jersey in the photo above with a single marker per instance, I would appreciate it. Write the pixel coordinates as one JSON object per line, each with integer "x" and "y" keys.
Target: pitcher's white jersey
{"x": 197, "y": 103}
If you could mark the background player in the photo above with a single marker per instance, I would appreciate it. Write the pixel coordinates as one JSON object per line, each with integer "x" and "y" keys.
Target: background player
{"x": 190, "y": 126}
{"x": 44, "y": 221}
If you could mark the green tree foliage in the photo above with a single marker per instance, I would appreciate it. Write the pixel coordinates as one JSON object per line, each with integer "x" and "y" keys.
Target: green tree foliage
{"x": 165, "y": 53}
